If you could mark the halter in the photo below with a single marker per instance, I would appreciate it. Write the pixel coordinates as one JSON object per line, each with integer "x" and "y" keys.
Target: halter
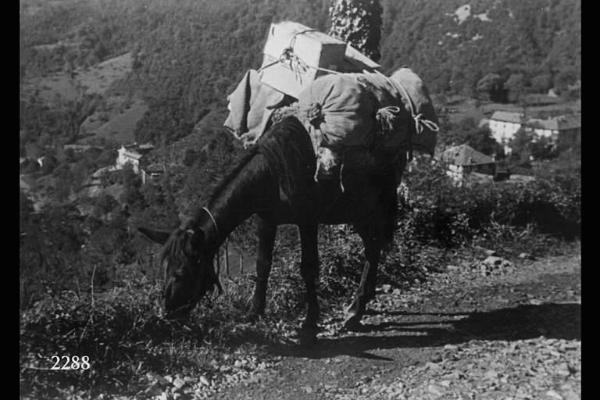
{"x": 214, "y": 221}
{"x": 192, "y": 231}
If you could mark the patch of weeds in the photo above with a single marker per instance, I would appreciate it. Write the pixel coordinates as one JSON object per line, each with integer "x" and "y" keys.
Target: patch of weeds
{"x": 510, "y": 241}
{"x": 120, "y": 331}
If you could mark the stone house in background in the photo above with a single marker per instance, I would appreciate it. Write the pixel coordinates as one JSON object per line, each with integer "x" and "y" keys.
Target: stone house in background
{"x": 132, "y": 155}
{"x": 553, "y": 127}
{"x": 504, "y": 125}
{"x": 464, "y": 160}
{"x": 152, "y": 172}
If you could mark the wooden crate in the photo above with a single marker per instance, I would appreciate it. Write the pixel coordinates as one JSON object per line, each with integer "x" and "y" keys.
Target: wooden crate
{"x": 313, "y": 50}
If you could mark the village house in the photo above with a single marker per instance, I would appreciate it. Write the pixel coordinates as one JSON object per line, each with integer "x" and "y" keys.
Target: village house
{"x": 77, "y": 148}
{"x": 152, "y": 172}
{"x": 504, "y": 125}
{"x": 464, "y": 160}
{"x": 565, "y": 125}
{"x": 132, "y": 155}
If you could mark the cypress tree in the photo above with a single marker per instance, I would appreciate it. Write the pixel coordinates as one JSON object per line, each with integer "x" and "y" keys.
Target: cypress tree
{"x": 358, "y": 22}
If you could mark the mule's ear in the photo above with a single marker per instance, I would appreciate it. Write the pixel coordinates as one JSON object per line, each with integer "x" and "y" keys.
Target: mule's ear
{"x": 155, "y": 235}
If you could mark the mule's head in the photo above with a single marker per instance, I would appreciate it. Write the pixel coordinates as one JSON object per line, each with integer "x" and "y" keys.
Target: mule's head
{"x": 188, "y": 269}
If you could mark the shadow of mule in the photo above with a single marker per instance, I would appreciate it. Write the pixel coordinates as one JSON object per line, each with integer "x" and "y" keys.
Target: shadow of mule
{"x": 551, "y": 320}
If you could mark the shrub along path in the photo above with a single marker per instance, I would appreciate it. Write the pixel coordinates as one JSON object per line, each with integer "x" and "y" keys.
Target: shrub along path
{"x": 472, "y": 332}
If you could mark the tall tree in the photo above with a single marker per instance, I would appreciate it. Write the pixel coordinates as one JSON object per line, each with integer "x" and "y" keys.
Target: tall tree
{"x": 492, "y": 87}
{"x": 358, "y": 22}
{"x": 520, "y": 145}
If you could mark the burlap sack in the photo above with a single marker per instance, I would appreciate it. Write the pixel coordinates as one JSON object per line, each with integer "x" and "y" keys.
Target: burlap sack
{"x": 425, "y": 119}
{"x": 340, "y": 110}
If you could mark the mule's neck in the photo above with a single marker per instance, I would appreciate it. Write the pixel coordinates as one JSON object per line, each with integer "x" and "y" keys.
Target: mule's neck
{"x": 243, "y": 195}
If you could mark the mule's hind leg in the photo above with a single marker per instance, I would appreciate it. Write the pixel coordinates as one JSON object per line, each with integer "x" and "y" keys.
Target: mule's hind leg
{"x": 366, "y": 288}
{"x": 266, "y": 240}
{"x": 309, "y": 269}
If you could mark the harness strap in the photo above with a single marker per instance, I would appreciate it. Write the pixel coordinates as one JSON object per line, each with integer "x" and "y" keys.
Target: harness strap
{"x": 212, "y": 219}
{"x": 216, "y": 275}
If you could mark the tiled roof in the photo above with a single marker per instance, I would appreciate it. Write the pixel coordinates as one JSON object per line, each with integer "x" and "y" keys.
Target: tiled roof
{"x": 551, "y": 124}
{"x": 131, "y": 152}
{"x": 155, "y": 167}
{"x": 561, "y": 123}
{"x": 570, "y": 121}
{"x": 465, "y": 155}
{"x": 507, "y": 116}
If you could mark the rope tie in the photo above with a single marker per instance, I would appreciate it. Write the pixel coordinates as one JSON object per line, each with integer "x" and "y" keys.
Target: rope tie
{"x": 418, "y": 118}
{"x": 295, "y": 63}
{"x": 420, "y": 123}
{"x": 314, "y": 114}
{"x": 385, "y": 118}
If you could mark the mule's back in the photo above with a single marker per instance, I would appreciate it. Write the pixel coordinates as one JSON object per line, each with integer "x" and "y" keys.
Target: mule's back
{"x": 360, "y": 194}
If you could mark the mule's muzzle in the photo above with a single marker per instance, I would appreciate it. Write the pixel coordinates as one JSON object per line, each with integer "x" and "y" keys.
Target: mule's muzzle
{"x": 175, "y": 307}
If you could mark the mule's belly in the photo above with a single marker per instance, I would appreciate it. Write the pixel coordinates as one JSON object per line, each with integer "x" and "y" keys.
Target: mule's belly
{"x": 328, "y": 204}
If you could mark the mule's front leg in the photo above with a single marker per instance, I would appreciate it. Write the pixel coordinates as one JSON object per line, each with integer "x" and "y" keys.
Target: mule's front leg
{"x": 366, "y": 288}
{"x": 266, "y": 240}
{"x": 309, "y": 269}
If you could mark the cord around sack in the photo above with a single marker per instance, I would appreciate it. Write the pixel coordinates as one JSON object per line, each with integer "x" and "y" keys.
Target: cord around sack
{"x": 386, "y": 117}
{"x": 295, "y": 63}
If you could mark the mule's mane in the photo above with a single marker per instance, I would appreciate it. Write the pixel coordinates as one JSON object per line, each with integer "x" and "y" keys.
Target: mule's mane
{"x": 238, "y": 165}
{"x": 287, "y": 148}
{"x": 175, "y": 246}
{"x": 288, "y": 151}
{"x": 290, "y": 155}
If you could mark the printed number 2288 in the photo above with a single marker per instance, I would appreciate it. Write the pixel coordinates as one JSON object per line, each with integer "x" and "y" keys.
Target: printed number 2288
{"x": 71, "y": 363}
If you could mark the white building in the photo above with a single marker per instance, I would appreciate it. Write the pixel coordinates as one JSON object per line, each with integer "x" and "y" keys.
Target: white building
{"x": 553, "y": 127}
{"x": 504, "y": 125}
{"x": 463, "y": 160}
{"x": 132, "y": 155}
{"x": 128, "y": 156}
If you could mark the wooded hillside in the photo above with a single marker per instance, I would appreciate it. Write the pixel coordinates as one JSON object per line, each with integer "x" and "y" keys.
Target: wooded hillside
{"x": 188, "y": 55}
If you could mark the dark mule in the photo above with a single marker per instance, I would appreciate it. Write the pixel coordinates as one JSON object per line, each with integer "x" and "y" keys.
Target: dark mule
{"x": 275, "y": 181}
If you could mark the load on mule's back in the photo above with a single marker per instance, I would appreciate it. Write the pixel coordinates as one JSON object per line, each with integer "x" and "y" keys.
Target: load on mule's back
{"x": 353, "y": 113}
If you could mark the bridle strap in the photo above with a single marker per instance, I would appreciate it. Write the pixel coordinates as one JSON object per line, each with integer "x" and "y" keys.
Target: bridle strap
{"x": 212, "y": 218}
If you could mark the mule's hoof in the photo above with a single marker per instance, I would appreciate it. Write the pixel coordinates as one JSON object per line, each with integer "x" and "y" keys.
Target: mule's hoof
{"x": 307, "y": 337}
{"x": 252, "y": 318}
{"x": 255, "y": 313}
{"x": 352, "y": 324}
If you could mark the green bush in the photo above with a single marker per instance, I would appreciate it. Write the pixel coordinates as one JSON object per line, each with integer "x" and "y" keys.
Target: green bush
{"x": 450, "y": 215}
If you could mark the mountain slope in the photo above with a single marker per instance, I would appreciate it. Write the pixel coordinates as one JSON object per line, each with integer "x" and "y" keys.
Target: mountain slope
{"x": 200, "y": 51}
{"x": 455, "y": 43}
{"x": 188, "y": 55}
